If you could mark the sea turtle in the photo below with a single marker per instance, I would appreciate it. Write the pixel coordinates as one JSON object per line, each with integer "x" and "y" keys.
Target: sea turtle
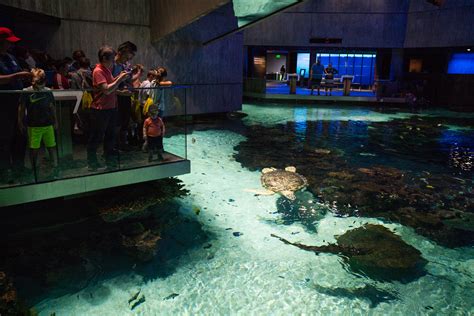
{"x": 285, "y": 182}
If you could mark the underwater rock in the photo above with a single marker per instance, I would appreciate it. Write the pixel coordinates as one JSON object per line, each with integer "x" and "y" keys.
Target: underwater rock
{"x": 374, "y": 295}
{"x": 134, "y": 200}
{"x": 8, "y": 293}
{"x": 133, "y": 229}
{"x": 371, "y": 191}
{"x": 301, "y": 210}
{"x": 464, "y": 222}
{"x": 341, "y": 175}
{"x": 9, "y": 303}
{"x": 143, "y": 246}
{"x": 374, "y": 251}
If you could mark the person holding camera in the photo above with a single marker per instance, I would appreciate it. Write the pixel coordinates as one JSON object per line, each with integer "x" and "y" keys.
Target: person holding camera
{"x": 103, "y": 117}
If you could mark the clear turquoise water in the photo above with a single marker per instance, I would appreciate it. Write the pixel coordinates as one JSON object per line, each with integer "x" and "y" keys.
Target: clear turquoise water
{"x": 254, "y": 274}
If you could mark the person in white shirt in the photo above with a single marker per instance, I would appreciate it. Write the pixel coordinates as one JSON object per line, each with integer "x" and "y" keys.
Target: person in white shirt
{"x": 145, "y": 87}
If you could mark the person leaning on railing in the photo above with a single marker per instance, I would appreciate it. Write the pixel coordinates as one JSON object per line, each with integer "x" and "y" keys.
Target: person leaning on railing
{"x": 158, "y": 95}
{"x": 12, "y": 143}
{"x": 103, "y": 116}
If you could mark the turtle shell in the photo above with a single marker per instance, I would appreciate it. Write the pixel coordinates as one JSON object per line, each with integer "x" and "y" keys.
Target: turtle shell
{"x": 282, "y": 180}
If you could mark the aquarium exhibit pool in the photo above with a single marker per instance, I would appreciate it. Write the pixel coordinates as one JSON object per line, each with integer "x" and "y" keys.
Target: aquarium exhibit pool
{"x": 384, "y": 198}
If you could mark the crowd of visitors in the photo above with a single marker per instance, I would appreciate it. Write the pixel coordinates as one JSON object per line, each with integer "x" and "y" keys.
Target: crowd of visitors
{"x": 117, "y": 116}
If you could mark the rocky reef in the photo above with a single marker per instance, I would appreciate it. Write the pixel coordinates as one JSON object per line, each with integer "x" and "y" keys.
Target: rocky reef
{"x": 72, "y": 242}
{"x": 9, "y": 303}
{"x": 347, "y": 172}
{"x": 374, "y": 251}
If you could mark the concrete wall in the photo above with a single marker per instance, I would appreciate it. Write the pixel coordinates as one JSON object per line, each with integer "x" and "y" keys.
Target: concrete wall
{"x": 360, "y": 23}
{"x": 450, "y": 25}
{"x": 89, "y": 24}
{"x": 369, "y": 23}
{"x": 216, "y": 68}
{"x": 170, "y": 16}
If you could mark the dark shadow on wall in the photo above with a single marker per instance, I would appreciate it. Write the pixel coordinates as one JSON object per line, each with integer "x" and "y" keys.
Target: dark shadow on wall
{"x": 35, "y": 29}
{"x": 215, "y": 69}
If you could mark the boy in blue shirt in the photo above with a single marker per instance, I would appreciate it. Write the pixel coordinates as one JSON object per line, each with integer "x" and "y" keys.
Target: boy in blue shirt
{"x": 316, "y": 75}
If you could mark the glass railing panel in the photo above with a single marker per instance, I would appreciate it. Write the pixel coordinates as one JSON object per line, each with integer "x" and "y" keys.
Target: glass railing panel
{"x": 175, "y": 140}
{"x": 28, "y": 141}
{"x": 53, "y": 135}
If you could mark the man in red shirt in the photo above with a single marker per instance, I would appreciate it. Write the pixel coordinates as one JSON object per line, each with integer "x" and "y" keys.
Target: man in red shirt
{"x": 104, "y": 109}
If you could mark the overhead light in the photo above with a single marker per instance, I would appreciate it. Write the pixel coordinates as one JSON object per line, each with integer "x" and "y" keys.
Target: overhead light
{"x": 468, "y": 49}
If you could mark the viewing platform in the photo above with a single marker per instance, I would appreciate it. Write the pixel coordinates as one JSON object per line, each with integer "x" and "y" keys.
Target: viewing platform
{"x": 279, "y": 91}
{"x": 21, "y": 182}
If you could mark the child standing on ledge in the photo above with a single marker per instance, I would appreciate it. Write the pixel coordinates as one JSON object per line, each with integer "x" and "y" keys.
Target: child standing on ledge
{"x": 38, "y": 104}
{"x": 153, "y": 132}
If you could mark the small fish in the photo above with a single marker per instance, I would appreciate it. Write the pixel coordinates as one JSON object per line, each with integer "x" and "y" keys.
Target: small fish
{"x": 229, "y": 228}
{"x": 281, "y": 277}
{"x": 237, "y": 234}
{"x": 171, "y": 296}
{"x": 196, "y": 210}
{"x": 207, "y": 246}
{"x": 134, "y": 297}
{"x": 430, "y": 187}
{"x": 295, "y": 233}
{"x": 367, "y": 154}
{"x": 140, "y": 301}
{"x": 193, "y": 140}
